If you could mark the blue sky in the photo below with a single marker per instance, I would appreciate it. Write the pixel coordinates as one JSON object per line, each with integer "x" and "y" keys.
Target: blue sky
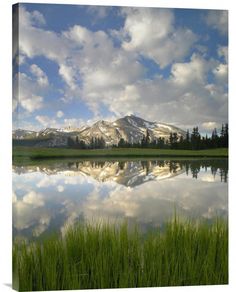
{"x": 78, "y": 64}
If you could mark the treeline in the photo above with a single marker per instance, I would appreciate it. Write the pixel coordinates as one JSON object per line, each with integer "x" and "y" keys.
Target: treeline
{"x": 95, "y": 143}
{"x": 192, "y": 141}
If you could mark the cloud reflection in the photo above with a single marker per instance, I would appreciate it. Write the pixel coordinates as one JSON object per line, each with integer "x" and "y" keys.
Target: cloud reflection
{"x": 145, "y": 193}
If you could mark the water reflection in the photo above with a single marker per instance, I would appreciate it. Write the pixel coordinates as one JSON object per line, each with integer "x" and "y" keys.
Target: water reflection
{"x": 131, "y": 173}
{"x": 48, "y": 197}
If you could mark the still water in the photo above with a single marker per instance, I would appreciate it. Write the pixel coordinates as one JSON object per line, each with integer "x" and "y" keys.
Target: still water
{"x": 51, "y": 196}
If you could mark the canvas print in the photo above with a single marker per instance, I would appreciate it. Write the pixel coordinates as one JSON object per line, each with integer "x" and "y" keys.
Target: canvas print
{"x": 120, "y": 147}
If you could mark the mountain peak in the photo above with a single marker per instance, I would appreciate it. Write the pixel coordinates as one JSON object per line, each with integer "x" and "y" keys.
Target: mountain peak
{"x": 131, "y": 128}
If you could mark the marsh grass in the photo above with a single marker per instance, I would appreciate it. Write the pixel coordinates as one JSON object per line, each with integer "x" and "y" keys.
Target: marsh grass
{"x": 112, "y": 256}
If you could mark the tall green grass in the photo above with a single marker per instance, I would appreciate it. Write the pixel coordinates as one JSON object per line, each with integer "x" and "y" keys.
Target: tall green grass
{"x": 110, "y": 256}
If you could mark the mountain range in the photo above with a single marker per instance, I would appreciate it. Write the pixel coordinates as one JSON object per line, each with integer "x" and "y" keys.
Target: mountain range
{"x": 131, "y": 128}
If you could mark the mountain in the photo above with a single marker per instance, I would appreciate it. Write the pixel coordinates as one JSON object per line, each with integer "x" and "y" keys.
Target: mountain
{"x": 130, "y": 128}
{"x": 23, "y": 134}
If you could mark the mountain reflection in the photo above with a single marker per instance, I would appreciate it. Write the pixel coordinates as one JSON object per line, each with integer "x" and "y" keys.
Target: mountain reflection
{"x": 131, "y": 173}
{"x": 52, "y": 195}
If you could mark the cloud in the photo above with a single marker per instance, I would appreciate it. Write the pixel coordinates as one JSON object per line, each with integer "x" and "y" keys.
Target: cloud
{"x": 37, "y": 18}
{"x": 33, "y": 103}
{"x": 46, "y": 121}
{"x": 28, "y": 92}
{"x": 145, "y": 205}
{"x": 41, "y": 77}
{"x": 221, "y": 73}
{"x": 60, "y": 114}
{"x": 68, "y": 75}
{"x": 98, "y": 12}
{"x": 26, "y": 217}
{"x": 35, "y": 41}
{"x": 24, "y": 88}
{"x": 34, "y": 199}
{"x": 60, "y": 188}
{"x": 186, "y": 93}
{"x": 192, "y": 72}
{"x": 223, "y": 52}
{"x": 218, "y": 19}
{"x": 108, "y": 75}
{"x": 103, "y": 68}
{"x": 73, "y": 122}
{"x": 49, "y": 121}
{"x": 151, "y": 32}
{"x": 30, "y": 18}
{"x": 210, "y": 125}
{"x": 101, "y": 195}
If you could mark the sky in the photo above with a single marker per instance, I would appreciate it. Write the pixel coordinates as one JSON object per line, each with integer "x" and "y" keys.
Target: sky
{"x": 74, "y": 65}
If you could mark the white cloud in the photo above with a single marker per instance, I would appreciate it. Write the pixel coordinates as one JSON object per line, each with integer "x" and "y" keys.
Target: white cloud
{"x": 45, "y": 121}
{"x": 60, "y": 188}
{"x": 221, "y": 73}
{"x": 24, "y": 217}
{"x": 48, "y": 121}
{"x": 210, "y": 125}
{"x": 185, "y": 74}
{"x": 37, "y": 18}
{"x": 218, "y": 19}
{"x": 35, "y": 41}
{"x": 72, "y": 122}
{"x": 33, "y": 103}
{"x": 68, "y": 75}
{"x": 60, "y": 114}
{"x": 151, "y": 32}
{"x": 39, "y": 74}
{"x": 99, "y": 73}
{"x": 28, "y": 92}
{"x": 145, "y": 205}
{"x": 34, "y": 199}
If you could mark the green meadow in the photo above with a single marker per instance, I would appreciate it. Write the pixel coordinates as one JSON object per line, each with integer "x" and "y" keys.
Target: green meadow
{"x": 22, "y": 154}
{"x": 115, "y": 256}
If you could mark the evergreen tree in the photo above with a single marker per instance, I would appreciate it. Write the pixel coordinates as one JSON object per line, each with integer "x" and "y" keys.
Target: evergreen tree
{"x": 214, "y": 139}
{"x": 195, "y": 139}
{"x": 160, "y": 142}
{"x": 224, "y": 136}
{"x": 121, "y": 143}
{"x": 147, "y": 138}
{"x": 77, "y": 141}
{"x": 70, "y": 142}
{"x": 173, "y": 140}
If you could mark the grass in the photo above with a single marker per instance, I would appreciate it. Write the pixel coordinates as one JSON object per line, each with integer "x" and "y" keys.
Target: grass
{"x": 28, "y": 153}
{"x": 110, "y": 256}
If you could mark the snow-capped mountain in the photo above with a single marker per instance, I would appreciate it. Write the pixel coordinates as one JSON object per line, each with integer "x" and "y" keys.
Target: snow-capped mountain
{"x": 130, "y": 128}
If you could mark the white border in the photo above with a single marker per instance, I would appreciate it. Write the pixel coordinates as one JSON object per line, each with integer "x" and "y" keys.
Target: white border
{"x": 5, "y": 127}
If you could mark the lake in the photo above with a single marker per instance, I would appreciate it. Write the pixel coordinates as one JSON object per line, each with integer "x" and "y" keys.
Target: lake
{"x": 52, "y": 195}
